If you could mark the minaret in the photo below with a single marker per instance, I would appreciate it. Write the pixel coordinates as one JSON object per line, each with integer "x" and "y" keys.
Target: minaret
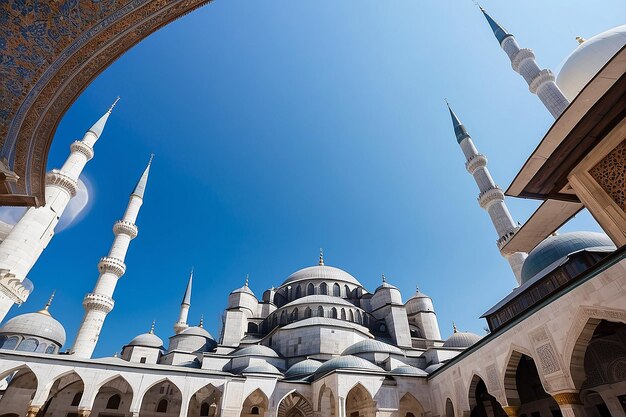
{"x": 100, "y": 302}
{"x": 29, "y": 237}
{"x": 491, "y": 197}
{"x": 540, "y": 81}
{"x": 181, "y": 324}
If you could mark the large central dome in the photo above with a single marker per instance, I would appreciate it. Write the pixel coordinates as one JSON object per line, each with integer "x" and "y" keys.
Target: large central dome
{"x": 322, "y": 272}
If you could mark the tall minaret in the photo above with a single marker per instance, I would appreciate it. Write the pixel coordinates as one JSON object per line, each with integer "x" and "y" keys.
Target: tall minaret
{"x": 540, "y": 81}
{"x": 181, "y": 324}
{"x": 100, "y": 302}
{"x": 29, "y": 237}
{"x": 491, "y": 197}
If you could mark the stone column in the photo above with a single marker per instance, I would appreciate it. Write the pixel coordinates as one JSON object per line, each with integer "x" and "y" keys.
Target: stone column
{"x": 84, "y": 413}
{"x": 613, "y": 404}
{"x": 570, "y": 404}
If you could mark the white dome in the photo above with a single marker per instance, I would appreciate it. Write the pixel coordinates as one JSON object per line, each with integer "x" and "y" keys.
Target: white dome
{"x": 321, "y": 272}
{"x": 256, "y": 350}
{"x": 461, "y": 340}
{"x": 38, "y": 324}
{"x": 147, "y": 340}
{"x": 586, "y": 60}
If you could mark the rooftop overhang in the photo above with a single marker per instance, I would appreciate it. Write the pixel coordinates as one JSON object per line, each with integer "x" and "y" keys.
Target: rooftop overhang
{"x": 599, "y": 107}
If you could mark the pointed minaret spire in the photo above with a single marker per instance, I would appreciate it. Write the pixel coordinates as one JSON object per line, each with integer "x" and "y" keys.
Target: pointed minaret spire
{"x": 140, "y": 188}
{"x": 26, "y": 241}
{"x": 100, "y": 302}
{"x": 152, "y": 327}
{"x": 48, "y": 304}
{"x": 201, "y": 324}
{"x": 540, "y": 81}
{"x": 181, "y": 324}
{"x": 491, "y": 197}
{"x": 247, "y": 283}
{"x": 98, "y": 127}
{"x": 321, "y": 261}
{"x": 383, "y": 277}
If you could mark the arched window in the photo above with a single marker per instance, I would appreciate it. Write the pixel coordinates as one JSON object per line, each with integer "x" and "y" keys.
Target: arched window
{"x": 297, "y": 292}
{"x": 204, "y": 409}
{"x": 50, "y": 349}
{"x": 76, "y": 399}
{"x": 336, "y": 290}
{"x": 310, "y": 289}
{"x": 358, "y": 317}
{"x": 307, "y": 313}
{"x": 333, "y": 312}
{"x": 294, "y": 314}
{"x": 10, "y": 343}
{"x": 283, "y": 317}
{"x": 320, "y": 311}
{"x": 114, "y": 402}
{"x": 42, "y": 347}
{"x": 254, "y": 410}
{"x": 343, "y": 314}
{"x": 28, "y": 345}
{"x": 347, "y": 291}
{"x": 323, "y": 288}
{"x": 351, "y": 315}
{"x": 162, "y": 406}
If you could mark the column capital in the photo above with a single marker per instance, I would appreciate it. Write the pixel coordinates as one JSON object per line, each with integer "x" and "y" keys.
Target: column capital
{"x": 511, "y": 410}
{"x": 32, "y": 410}
{"x": 567, "y": 398}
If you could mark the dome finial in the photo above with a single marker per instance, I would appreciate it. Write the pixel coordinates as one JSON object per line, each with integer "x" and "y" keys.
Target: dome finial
{"x": 114, "y": 103}
{"x": 417, "y": 289}
{"x": 49, "y": 303}
{"x": 454, "y": 328}
{"x": 321, "y": 262}
{"x": 247, "y": 280}
{"x": 580, "y": 40}
{"x": 115, "y": 355}
{"x": 152, "y": 327}
{"x": 201, "y": 324}
{"x": 383, "y": 277}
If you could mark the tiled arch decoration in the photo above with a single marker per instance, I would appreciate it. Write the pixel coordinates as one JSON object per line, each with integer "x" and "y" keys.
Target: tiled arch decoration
{"x": 51, "y": 51}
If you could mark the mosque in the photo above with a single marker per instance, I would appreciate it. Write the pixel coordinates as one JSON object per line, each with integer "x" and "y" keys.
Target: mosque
{"x": 322, "y": 345}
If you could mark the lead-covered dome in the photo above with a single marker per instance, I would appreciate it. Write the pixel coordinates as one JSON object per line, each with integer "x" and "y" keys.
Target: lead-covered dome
{"x": 587, "y": 59}
{"x": 556, "y": 247}
{"x": 38, "y": 324}
{"x": 303, "y": 369}
{"x": 346, "y": 362}
{"x": 461, "y": 340}
{"x": 408, "y": 370}
{"x": 372, "y": 346}
{"x": 147, "y": 340}
{"x": 321, "y": 272}
{"x": 256, "y": 350}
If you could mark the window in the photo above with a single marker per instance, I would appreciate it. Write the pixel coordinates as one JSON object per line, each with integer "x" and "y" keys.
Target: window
{"x": 307, "y": 313}
{"x": 320, "y": 311}
{"x": 204, "y": 409}
{"x": 76, "y": 399}
{"x": 162, "y": 406}
{"x": 10, "y": 343}
{"x": 343, "y": 314}
{"x": 336, "y": 290}
{"x": 28, "y": 345}
{"x": 333, "y": 313}
{"x": 50, "y": 349}
{"x": 297, "y": 294}
{"x": 254, "y": 410}
{"x": 143, "y": 360}
{"x": 323, "y": 288}
{"x": 310, "y": 289}
{"x": 114, "y": 402}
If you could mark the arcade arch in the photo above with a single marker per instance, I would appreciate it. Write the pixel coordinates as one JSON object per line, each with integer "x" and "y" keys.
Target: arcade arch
{"x": 163, "y": 399}
{"x": 359, "y": 403}
{"x": 255, "y": 405}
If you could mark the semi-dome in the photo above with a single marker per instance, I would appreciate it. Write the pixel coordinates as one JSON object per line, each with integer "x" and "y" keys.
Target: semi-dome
{"x": 256, "y": 350}
{"x": 147, "y": 340}
{"x": 369, "y": 346}
{"x": 432, "y": 368}
{"x": 322, "y": 272}
{"x": 303, "y": 368}
{"x": 461, "y": 340}
{"x": 556, "y": 247}
{"x": 588, "y": 58}
{"x": 408, "y": 370}
{"x": 38, "y": 324}
{"x": 346, "y": 362}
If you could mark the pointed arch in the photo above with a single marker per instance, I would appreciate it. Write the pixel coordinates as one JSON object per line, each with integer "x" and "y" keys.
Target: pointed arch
{"x": 255, "y": 405}
{"x": 343, "y": 313}
{"x": 310, "y": 289}
{"x": 114, "y": 393}
{"x": 324, "y": 288}
{"x": 336, "y": 290}
{"x": 326, "y": 402}
{"x": 449, "y": 408}
{"x": 206, "y": 402}
{"x": 68, "y": 384}
{"x": 320, "y": 311}
{"x": 359, "y": 402}
{"x": 163, "y": 393}
{"x": 21, "y": 387}
{"x": 333, "y": 313}
{"x": 510, "y": 372}
{"x": 293, "y": 404}
{"x": 297, "y": 292}
{"x": 409, "y": 406}
{"x": 481, "y": 402}
{"x": 308, "y": 313}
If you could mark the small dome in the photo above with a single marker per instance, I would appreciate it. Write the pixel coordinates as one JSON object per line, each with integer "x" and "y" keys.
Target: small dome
{"x": 370, "y": 345}
{"x": 303, "y": 368}
{"x": 345, "y": 362}
{"x": 324, "y": 272}
{"x": 386, "y": 286}
{"x": 197, "y": 331}
{"x": 245, "y": 289}
{"x": 461, "y": 340}
{"x": 419, "y": 303}
{"x": 147, "y": 340}
{"x": 432, "y": 368}
{"x": 261, "y": 368}
{"x": 408, "y": 370}
{"x": 256, "y": 350}
{"x": 587, "y": 59}
{"x": 38, "y": 324}
{"x": 556, "y": 247}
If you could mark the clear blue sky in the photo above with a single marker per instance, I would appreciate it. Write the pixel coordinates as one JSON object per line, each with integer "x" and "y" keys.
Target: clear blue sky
{"x": 283, "y": 126}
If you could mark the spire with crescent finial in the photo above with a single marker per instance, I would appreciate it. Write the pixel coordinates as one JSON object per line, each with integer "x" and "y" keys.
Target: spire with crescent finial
{"x": 98, "y": 127}
{"x": 48, "y": 304}
{"x": 321, "y": 261}
{"x": 247, "y": 280}
{"x": 201, "y": 324}
{"x": 152, "y": 327}
{"x": 454, "y": 328}
{"x": 383, "y": 277}
{"x": 499, "y": 32}
{"x": 140, "y": 188}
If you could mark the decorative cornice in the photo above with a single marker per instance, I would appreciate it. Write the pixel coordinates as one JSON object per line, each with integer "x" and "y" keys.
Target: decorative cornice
{"x": 490, "y": 196}
{"x": 12, "y": 287}
{"x": 60, "y": 179}
{"x": 113, "y": 265}
{"x": 82, "y": 147}
{"x": 475, "y": 162}
{"x": 98, "y": 302}
{"x": 522, "y": 55}
{"x": 127, "y": 228}
{"x": 545, "y": 76}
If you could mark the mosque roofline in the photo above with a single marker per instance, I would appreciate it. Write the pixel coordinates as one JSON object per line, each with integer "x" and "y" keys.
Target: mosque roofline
{"x": 611, "y": 260}
{"x": 544, "y": 174}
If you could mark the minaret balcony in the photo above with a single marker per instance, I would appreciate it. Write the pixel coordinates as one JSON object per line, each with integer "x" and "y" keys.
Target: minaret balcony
{"x": 113, "y": 265}
{"x": 98, "y": 302}
{"x": 82, "y": 147}
{"x": 12, "y": 287}
{"x": 128, "y": 228}
{"x": 61, "y": 179}
{"x": 504, "y": 239}
{"x": 475, "y": 162}
{"x": 521, "y": 56}
{"x": 490, "y": 196}
{"x": 545, "y": 76}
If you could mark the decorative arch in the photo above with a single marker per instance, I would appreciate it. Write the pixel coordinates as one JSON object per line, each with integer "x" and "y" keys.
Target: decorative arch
{"x": 68, "y": 384}
{"x": 409, "y": 406}
{"x": 310, "y": 289}
{"x": 256, "y": 404}
{"x": 326, "y": 402}
{"x": 206, "y": 402}
{"x": 324, "y": 288}
{"x": 360, "y": 402}
{"x": 449, "y": 408}
{"x": 481, "y": 402}
{"x": 294, "y": 404}
{"x": 22, "y": 385}
{"x": 156, "y": 393}
{"x": 510, "y": 372}
{"x": 114, "y": 393}
{"x": 336, "y": 290}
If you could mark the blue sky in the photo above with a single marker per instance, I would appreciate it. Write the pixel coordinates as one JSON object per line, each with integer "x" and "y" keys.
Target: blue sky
{"x": 282, "y": 126}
